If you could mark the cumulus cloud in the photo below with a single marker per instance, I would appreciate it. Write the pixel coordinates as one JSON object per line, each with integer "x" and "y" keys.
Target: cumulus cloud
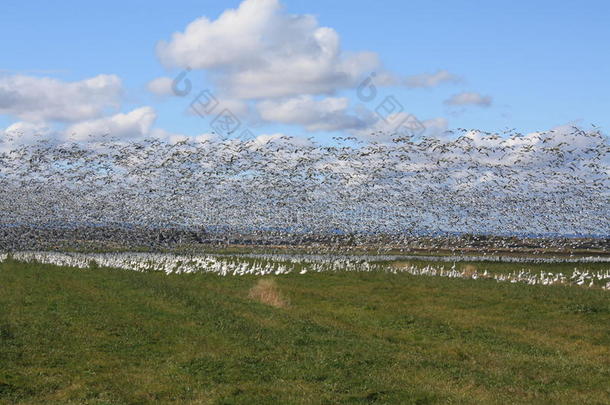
{"x": 426, "y": 80}
{"x": 435, "y": 127}
{"x": 328, "y": 114}
{"x": 134, "y": 124}
{"x": 384, "y": 129}
{"x": 172, "y": 138}
{"x": 29, "y": 129}
{"x": 259, "y": 55}
{"x": 161, "y": 86}
{"x": 23, "y": 133}
{"x": 38, "y": 99}
{"x": 259, "y": 51}
{"x": 469, "y": 98}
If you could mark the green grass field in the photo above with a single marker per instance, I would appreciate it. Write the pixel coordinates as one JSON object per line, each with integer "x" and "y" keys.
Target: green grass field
{"x": 104, "y": 336}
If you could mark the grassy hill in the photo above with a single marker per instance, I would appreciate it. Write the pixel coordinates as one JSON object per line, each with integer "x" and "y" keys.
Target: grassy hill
{"x": 104, "y": 336}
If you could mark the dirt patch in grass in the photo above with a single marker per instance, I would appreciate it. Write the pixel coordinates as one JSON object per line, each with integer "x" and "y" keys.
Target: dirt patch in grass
{"x": 401, "y": 264}
{"x": 267, "y": 292}
{"x": 469, "y": 270}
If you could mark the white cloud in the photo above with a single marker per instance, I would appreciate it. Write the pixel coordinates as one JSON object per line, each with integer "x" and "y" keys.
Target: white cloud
{"x": 28, "y": 129}
{"x": 399, "y": 125}
{"x": 469, "y": 98}
{"x": 173, "y": 138}
{"x": 134, "y": 124}
{"x": 258, "y": 54}
{"x": 46, "y": 99}
{"x": 435, "y": 127}
{"x": 258, "y": 51}
{"x": 328, "y": 114}
{"x": 23, "y": 133}
{"x": 426, "y": 80}
{"x": 161, "y": 86}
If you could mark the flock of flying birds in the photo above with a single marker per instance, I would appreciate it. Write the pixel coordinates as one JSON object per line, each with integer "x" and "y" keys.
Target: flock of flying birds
{"x": 467, "y": 181}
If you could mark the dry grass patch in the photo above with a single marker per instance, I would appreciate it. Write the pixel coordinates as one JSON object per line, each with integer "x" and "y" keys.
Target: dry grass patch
{"x": 469, "y": 270}
{"x": 267, "y": 292}
{"x": 400, "y": 264}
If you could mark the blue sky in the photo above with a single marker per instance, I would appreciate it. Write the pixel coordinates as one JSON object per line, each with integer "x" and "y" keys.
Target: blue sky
{"x": 540, "y": 64}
